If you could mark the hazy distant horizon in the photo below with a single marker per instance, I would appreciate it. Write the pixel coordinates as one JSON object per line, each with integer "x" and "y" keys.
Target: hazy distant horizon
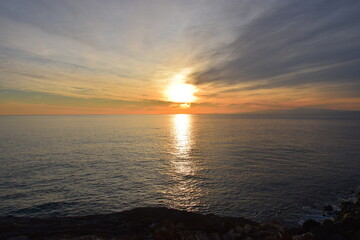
{"x": 272, "y": 112}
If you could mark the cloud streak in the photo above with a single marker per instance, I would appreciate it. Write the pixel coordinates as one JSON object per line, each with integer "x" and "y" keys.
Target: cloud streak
{"x": 293, "y": 43}
{"x": 124, "y": 54}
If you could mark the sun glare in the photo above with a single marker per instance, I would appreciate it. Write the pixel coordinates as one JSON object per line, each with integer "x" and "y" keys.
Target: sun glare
{"x": 181, "y": 92}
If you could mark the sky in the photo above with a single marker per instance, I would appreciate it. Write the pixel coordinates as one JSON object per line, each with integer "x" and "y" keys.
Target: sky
{"x": 178, "y": 56}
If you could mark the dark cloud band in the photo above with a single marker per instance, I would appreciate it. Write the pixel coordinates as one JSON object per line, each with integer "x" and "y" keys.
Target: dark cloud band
{"x": 293, "y": 43}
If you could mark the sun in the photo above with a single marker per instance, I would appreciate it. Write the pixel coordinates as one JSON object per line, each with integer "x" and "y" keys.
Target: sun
{"x": 179, "y": 91}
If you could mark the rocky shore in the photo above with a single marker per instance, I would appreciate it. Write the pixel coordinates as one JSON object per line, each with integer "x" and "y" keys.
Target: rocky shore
{"x": 164, "y": 223}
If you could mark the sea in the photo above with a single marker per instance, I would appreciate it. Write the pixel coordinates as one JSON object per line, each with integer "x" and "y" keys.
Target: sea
{"x": 264, "y": 168}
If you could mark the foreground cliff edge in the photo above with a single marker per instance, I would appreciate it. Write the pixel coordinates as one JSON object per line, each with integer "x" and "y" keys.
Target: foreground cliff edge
{"x": 164, "y": 223}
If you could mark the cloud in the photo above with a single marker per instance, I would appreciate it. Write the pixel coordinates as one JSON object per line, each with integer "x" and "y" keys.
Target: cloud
{"x": 112, "y": 47}
{"x": 19, "y": 96}
{"x": 293, "y": 43}
{"x": 120, "y": 53}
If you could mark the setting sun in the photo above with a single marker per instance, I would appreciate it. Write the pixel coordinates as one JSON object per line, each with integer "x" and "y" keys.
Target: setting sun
{"x": 181, "y": 92}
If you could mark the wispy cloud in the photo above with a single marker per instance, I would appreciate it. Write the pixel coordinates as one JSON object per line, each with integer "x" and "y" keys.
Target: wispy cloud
{"x": 7, "y": 95}
{"x": 292, "y": 43}
{"x": 124, "y": 54}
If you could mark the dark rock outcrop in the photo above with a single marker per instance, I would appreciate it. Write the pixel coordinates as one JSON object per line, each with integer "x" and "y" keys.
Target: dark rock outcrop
{"x": 164, "y": 224}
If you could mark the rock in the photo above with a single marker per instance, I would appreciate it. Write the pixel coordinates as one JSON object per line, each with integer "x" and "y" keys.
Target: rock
{"x": 346, "y": 205}
{"x": 328, "y": 223}
{"x": 273, "y": 230}
{"x": 20, "y": 237}
{"x": 337, "y": 237}
{"x": 357, "y": 234}
{"x": 232, "y": 234}
{"x": 201, "y": 236}
{"x": 167, "y": 230}
{"x": 214, "y": 236}
{"x": 295, "y": 231}
{"x": 267, "y": 231}
{"x": 247, "y": 228}
{"x": 180, "y": 225}
{"x": 309, "y": 225}
{"x": 350, "y": 222}
{"x": 305, "y": 236}
{"x": 86, "y": 237}
{"x": 163, "y": 224}
{"x": 328, "y": 208}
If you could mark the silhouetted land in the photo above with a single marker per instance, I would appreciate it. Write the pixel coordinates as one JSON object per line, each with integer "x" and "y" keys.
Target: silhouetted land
{"x": 164, "y": 223}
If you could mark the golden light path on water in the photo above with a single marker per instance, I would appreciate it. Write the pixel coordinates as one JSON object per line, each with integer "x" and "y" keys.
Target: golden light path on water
{"x": 185, "y": 192}
{"x": 182, "y": 135}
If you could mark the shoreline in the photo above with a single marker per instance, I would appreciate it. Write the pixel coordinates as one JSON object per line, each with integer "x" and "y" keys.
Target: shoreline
{"x": 160, "y": 223}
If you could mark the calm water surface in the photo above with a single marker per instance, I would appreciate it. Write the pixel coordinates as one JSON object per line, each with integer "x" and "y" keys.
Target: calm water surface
{"x": 260, "y": 168}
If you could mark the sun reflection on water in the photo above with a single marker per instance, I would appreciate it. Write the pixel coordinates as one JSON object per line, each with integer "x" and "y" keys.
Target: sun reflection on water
{"x": 185, "y": 191}
{"x": 183, "y": 141}
{"x": 182, "y": 135}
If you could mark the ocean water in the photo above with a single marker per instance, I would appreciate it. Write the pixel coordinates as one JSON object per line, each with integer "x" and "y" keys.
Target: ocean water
{"x": 262, "y": 168}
